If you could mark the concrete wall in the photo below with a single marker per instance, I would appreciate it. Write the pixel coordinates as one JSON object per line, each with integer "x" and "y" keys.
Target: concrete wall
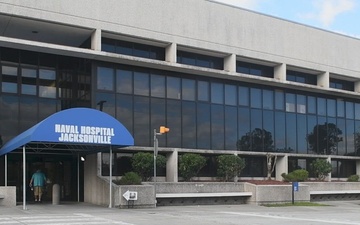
{"x": 199, "y": 187}
{"x": 146, "y": 198}
{"x": 204, "y": 24}
{"x": 96, "y": 190}
{"x": 332, "y": 186}
{"x": 9, "y": 194}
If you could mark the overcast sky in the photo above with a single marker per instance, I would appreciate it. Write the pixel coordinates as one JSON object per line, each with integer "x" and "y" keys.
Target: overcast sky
{"x": 341, "y": 16}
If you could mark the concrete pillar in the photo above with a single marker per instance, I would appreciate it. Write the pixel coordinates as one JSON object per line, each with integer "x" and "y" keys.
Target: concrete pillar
{"x": 56, "y": 194}
{"x": 323, "y": 80}
{"x": 281, "y": 167}
{"x": 171, "y": 53}
{"x": 230, "y": 63}
{"x": 96, "y": 40}
{"x": 280, "y": 72}
{"x": 357, "y": 86}
{"x": 172, "y": 166}
{"x": 328, "y": 178}
{"x": 358, "y": 167}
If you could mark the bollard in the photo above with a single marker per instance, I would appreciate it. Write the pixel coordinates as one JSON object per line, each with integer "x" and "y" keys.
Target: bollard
{"x": 56, "y": 194}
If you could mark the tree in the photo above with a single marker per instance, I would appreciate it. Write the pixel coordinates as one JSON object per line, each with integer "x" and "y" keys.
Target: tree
{"x": 143, "y": 164}
{"x": 324, "y": 138}
{"x": 229, "y": 166}
{"x": 190, "y": 164}
{"x": 321, "y": 168}
{"x": 256, "y": 140}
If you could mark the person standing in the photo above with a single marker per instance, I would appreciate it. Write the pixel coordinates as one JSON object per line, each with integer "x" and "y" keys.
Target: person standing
{"x": 37, "y": 181}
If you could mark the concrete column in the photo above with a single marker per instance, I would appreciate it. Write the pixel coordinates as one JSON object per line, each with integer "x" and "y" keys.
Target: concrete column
{"x": 358, "y": 167}
{"x": 230, "y": 63}
{"x": 323, "y": 80}
{"x": 281, "y": 167}
{"x": 96, "y": 40}
{"x": 171, "y": 53}
{"x": 357, "y": 86}
{"x": 280, "y": 72}
{"x": 172, "y": 166}
{"x": 328, "y": 178}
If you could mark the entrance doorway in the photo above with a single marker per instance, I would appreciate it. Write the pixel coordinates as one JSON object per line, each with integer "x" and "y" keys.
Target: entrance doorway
{"x": 58, "y": 169}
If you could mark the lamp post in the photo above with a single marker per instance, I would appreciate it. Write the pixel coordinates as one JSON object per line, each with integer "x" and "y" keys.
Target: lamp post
{"x": 162, "y": 130}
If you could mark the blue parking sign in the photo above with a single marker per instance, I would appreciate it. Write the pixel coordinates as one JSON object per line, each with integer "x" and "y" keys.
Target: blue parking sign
{"x": 295, "y": 186}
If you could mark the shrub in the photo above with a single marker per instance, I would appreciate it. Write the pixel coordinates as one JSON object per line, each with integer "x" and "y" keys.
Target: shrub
{"x": 296, "y": 175}
{"x": 129, "y": 178}
{"x": 321, "y": 168}
{"x": 229, "y": 166}
{"x": 190, "y": 164}
{"x": 353, "y": 178}
{"x": 143, "y": 164}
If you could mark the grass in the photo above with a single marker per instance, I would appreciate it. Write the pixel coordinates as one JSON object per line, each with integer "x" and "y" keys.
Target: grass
{"x": 295, "y": 204}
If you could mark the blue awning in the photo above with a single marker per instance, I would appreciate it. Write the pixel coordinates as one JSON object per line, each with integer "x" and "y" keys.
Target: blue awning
{"x": 76, "y": 126}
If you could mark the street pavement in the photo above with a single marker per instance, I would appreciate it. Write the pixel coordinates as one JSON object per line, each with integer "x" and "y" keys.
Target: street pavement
{"x": 346, "y": 212}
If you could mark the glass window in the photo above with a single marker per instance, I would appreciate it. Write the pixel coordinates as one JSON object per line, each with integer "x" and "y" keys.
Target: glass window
{"x": 311, "y": 102}
{"x": 47, "y": 88}
{"x": 217, "y": 127}
{"x": 279, "y": 100}
{"x": 217, "y": 93}
{"x": 173, "y": 120}
{"x": 141, "y": 83}
{"x": 350, "y": 138}
{"x": 290, "y": 102}
{"x": 256, "y": 132}
{"x": 243, "y": 96}
{"x": 105, "y": 78}
{"x": 124, "y": 81}
{"x": 188, "y": 89}
{"x": 331, "y": 107}
{"x": 321, "y": 106}
{"x": 9, "y": 70}
{"x": 256, "y": 98}
{"x": 340, "y": 106}
{"x": 291, "y": 134}
{"x": 280, "y": 131}
{"x": 301, "y": 134}
{"x": 28, "y": 89}
{"x": 203, "y": 91}
{"x": 173, "y": 87}
{"x": 158, "y": 116}
{"x": 231, "y": 122}
{"x": 349, "y": 110}
{"x": 124, "y": 111}
{"x": 141, "y": 121}
{"x": 357, "y": 111}
{"x": 301, "y": 104}
{"x": 25, "y": 72}
{"x": 203, "y": 125}
{"x": 268, "y": 99}
{"x": 158, "y": 86}
{"x": 9, "y": 87}
{"x": 244, "y": 128}
{"x": 230, "y": 94}
{"x": 188, "y": 124}
{"x": 268, "y": 125}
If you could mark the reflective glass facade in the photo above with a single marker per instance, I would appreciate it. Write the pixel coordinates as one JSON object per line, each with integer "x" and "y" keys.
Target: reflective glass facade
{"x": 207, "y": 113}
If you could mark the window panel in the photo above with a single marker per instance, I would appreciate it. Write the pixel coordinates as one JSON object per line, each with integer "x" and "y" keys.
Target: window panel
{"x": 350, "y": 138}
{"x": 256, "y": 98}
{"x": 231, "y": 122}
{"x": 244, "y": 96}
{"x": 188, "y": 89}
{"x": 291, "y": 132}
{"x": 311, "y": 103}
{"x": 158, "y": 86}
{"x": 301, "y": 104}
{"x": 124, "y": 81}
{"x": 257, "y": 133}
{"x": 173, "y": 87}
{"x": 331, "y": 107}
{"x": 280, "y": 132}
{"x": 268, "y": 124}
{"x": 349, "y": 110}
{"x": 217, "y": 93}
{"x": 158, "y": 116}
{"x": 203, "y": 125}
{"x": 105, "y": 78}
{"x": 301, "y": 134}
{"x": 268, "y": 99}
{"x": 188, "y": 125}
{"x": 290, "y": 102}
{"x": 321, "y": 106}
{"x": 217, "y": 127}
{"x": 141, "y": 121}
{"x": 141, "y": 84}
{"x": 279, "y": 100}
{"x": 340, "y": 106}
{"x": 124, "y": 111}
{"x": 230, "y": 95}
{"x": 173, "y": 115}
{"x": 203, "y": 91}
{"x": 244, "y": 129}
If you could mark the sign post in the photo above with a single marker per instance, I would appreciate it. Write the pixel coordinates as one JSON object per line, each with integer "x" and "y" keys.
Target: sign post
{"x": 295, "y": 187}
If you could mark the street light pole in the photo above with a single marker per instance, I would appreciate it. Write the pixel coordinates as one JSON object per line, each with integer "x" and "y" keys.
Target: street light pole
{"x": 163, "y": 130}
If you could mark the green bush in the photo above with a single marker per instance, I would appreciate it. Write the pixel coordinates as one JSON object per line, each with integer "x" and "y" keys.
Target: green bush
{"x": 229, "y": 166}
{"x": 321, "y": 168}
{"x": 296, "y": 175}
{"x": 143, "y": 164}
{"x": 129, "y": 178}
{"x": 190, "y": 164}
{"x": 353, "y": 178}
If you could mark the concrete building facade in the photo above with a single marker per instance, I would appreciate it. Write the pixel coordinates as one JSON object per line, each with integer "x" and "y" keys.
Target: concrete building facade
{"x": 225, "y": 80}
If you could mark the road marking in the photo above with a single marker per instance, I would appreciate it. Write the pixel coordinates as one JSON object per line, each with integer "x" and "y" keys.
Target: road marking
{"x": 292, "y": 218}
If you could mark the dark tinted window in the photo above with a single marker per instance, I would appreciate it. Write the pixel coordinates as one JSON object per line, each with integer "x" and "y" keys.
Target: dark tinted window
{"x": 299, "y": 77}
{"x": 200, "y": 60}
{"x": 254, "y": 69}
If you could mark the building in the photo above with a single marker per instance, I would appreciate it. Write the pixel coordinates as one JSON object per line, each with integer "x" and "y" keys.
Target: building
{"x": 225, "y": 80}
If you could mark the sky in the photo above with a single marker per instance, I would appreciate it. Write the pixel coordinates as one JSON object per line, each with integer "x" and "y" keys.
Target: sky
{"x": 340, "y": 16}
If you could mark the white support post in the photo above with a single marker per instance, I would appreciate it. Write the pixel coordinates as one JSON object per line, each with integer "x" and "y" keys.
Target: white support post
{"x": 24, "y": 179}
{"x": 110, "y": 180}
{"x": 78, "y": 178}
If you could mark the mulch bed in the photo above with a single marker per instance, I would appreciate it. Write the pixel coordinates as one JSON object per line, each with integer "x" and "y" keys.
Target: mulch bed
{"x": 266, "y": 182}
